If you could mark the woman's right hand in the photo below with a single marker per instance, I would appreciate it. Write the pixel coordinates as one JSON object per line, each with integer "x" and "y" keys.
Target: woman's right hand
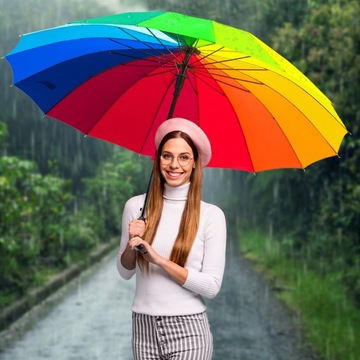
{"x": 137, "y": 228}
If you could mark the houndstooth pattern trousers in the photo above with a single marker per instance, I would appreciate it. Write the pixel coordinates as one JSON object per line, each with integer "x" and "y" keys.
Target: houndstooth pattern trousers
{"x": 185, "y": 337}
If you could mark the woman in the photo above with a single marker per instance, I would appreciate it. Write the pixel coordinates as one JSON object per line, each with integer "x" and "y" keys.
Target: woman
{"x": 182, "y": 250}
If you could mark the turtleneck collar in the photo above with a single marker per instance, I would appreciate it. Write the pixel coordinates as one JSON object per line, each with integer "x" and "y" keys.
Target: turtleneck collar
{"x": 176, "y": 192}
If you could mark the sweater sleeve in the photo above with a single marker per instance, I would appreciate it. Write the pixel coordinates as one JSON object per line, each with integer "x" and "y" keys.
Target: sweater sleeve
{"x": 207, "y": 281}
{"x": 131, "y": 211}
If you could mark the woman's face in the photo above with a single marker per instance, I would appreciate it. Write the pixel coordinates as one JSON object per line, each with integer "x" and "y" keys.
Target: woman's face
{"x": 174, "y": 173}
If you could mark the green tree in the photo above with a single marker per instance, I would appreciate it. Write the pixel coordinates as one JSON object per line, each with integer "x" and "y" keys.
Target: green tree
{"x": 105, "y": 194}
{"x": 33, "y": 216}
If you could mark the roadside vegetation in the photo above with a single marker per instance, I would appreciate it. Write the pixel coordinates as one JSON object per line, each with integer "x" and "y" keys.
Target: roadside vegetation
{"x": 329, "y": 317}
{"x": 45, "y": 229}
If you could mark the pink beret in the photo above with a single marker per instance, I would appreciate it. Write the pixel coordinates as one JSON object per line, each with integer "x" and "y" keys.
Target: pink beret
{"x": 197, "y": 135}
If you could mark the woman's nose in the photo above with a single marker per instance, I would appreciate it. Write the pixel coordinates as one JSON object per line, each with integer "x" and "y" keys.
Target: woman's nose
{"x": 174, "y": 162}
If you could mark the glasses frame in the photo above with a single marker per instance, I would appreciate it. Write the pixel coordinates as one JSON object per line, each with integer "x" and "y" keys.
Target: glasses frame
{"x": 172, "y": 158}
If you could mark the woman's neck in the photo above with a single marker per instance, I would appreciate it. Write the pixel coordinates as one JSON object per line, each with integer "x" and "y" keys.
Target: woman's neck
{"x": 176, "y": 192}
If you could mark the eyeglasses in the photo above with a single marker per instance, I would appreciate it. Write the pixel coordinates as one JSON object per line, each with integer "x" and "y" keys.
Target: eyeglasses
{"x": 183, "y": 160}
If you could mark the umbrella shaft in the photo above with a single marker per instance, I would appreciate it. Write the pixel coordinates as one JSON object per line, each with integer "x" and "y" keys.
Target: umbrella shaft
{"x": 180, "y": 79}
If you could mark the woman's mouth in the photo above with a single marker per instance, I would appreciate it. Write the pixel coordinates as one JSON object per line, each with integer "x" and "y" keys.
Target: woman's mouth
{"x": 174, "y": 175}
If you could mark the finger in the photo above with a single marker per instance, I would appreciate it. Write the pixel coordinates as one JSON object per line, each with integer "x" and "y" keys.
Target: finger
{"x": 140, "y": 248}
{"x": 135, "y": 244}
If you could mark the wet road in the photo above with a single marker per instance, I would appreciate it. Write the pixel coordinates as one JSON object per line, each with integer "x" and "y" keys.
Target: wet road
{"x": 91, "y": 319}
{"x": 248, "y": 321}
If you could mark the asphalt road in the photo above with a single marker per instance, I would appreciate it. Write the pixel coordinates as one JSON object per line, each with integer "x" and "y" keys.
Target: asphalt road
{"x": 91, "y": 319}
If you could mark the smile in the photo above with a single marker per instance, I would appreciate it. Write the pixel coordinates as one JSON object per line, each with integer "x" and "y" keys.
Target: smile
{"x": 174, "y": 174}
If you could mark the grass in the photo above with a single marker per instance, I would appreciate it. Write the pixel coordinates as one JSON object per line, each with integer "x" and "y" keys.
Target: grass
{"x": 330, "y": 319}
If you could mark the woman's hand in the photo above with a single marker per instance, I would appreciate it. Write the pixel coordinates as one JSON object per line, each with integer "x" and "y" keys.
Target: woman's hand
{"x": 128, "y": 258}
{"x": 179, "y": 273}
{"x": 146, "y": 250}
{"x": 137, "y": 228}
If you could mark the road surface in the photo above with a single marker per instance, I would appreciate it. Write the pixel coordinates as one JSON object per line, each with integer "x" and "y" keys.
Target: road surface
{"x": 91, "y": 319}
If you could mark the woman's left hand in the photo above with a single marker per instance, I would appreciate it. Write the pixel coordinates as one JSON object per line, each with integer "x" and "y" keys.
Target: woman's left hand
{"x": 176, "y": 271}
{"x": 146, "y": 251}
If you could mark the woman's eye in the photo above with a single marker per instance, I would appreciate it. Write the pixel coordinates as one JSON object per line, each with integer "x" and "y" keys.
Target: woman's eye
{"x": 184, "y": 157}
{"x": 167, "y": 156}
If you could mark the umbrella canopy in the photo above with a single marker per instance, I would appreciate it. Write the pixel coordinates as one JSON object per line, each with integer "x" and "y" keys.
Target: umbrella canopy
{"x": 119, "y": 77}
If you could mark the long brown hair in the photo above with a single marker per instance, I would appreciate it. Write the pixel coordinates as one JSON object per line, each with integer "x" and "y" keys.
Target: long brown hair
{"x": 191, "y": 215}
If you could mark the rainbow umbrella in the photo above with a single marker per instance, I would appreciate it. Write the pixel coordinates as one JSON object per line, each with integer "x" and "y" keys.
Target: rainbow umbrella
{"x": 118, "y": 77}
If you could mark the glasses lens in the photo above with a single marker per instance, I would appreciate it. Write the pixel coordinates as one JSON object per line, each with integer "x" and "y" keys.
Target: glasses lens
{"x": 183, "y": 160}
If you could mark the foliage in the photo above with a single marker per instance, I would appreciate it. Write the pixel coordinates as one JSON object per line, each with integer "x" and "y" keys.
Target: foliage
{"x": 3, "y": 133}
{"x": 106, "y": 193}
{"x": 32, "y": 213}
{"x": 327, "y": 49}
{"x": 41, "y": 226}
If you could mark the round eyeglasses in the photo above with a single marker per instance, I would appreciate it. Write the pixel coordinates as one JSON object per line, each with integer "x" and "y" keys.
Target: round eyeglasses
{"x": 183, "y": 160}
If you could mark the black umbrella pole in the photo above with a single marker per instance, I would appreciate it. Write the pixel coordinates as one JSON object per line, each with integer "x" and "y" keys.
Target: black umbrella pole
{"x": 180, "y": 79}
{"x": 143, "y": 209}
{"x": 178, "y": 86}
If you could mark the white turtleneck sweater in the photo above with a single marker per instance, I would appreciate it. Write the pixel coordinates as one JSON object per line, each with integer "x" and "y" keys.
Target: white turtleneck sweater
{"x": 156, "y": 292}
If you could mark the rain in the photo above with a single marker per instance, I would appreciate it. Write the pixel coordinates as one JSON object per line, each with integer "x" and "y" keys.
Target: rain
{"x": 292, "y": 262}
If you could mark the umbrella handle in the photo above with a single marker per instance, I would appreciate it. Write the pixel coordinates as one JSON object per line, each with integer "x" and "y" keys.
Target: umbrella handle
{"x": 139, "y": 248}
{"x": 143, "y": 210}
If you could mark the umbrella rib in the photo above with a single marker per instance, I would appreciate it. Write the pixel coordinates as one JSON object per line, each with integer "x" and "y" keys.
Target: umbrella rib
{"x": 155, "y": 115}
{"x": 217, "y": 62}
{"x": 234, "y": 69}
{"x": 161, "y": 43}
{"x": 214, "y": 75}
{"x": 221, "y": 82}
{"x": 145, "y": 43}
{"x": 159, "y": 56}
{"x": 209, "y": 54}
{"x": 150, "y": 60}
